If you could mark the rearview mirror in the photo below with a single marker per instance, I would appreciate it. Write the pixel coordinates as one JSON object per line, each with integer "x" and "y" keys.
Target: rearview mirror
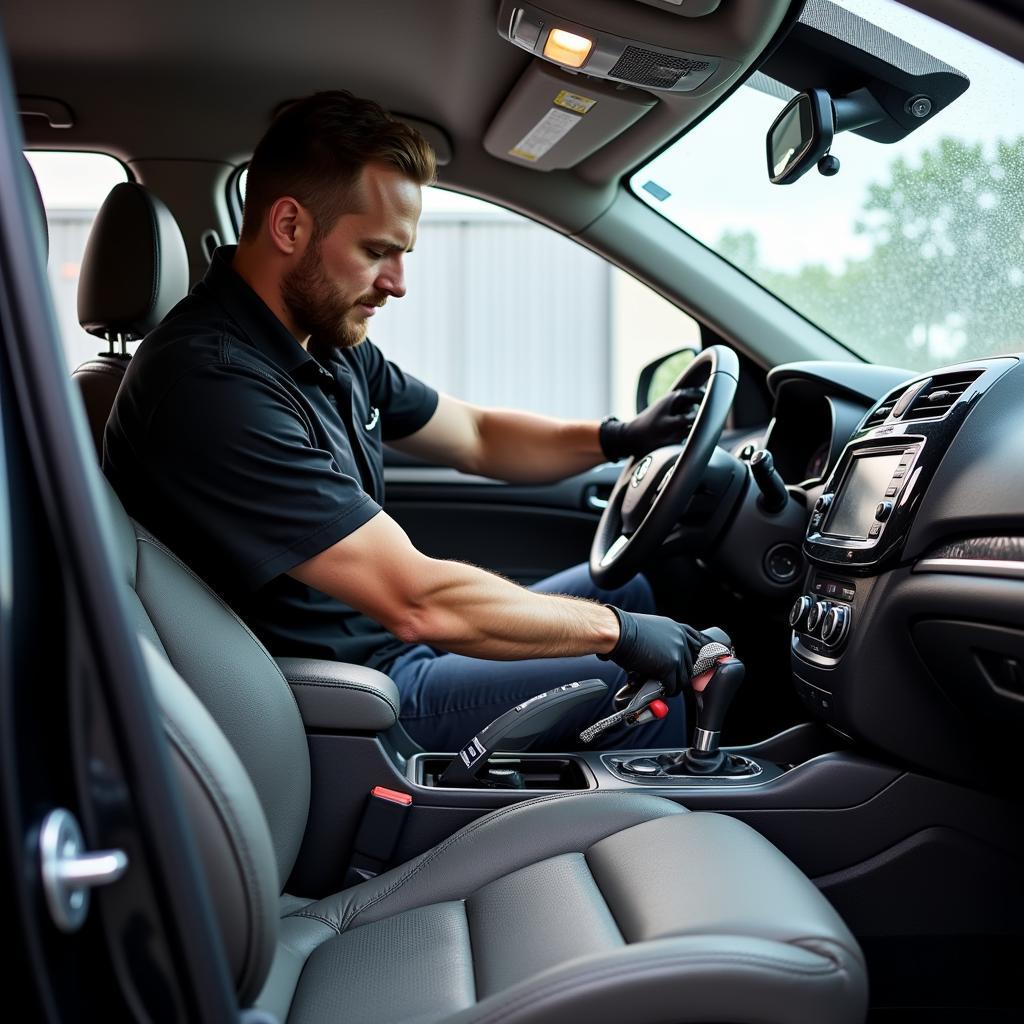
{"x": 800, "y": 136}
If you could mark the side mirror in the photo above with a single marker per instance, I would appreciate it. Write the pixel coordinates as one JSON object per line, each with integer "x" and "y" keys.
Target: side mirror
{"x": 800, "y": 136}
{"x": 658, "y": 376}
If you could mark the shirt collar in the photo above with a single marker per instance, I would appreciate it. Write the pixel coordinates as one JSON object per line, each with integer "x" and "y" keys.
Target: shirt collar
{"x": 261, "y": 327}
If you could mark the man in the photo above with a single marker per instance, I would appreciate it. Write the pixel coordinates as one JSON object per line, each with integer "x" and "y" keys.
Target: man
{"x": 247, "y": 436}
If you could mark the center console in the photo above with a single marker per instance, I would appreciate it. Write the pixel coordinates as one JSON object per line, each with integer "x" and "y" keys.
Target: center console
{"x": 856, "y": 536}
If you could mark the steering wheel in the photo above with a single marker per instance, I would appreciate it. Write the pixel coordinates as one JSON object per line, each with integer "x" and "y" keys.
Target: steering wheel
{"x": 652, "y": 492}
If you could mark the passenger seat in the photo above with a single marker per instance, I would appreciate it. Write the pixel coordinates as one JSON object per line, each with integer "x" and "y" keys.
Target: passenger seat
{"x": 135, "y": 268}
{"x": 604, "y": 906}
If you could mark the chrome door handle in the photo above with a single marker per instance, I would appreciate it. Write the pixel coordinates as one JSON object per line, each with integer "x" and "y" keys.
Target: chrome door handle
{"x": 593, "y": 499}
{"x": 69, "y": 872}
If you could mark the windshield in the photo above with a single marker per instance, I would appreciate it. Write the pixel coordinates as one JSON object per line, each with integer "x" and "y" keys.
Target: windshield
{"x": 913, "y": 254}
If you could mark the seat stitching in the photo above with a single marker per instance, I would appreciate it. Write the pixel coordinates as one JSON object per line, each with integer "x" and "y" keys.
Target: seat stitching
{"x": 333, "y": 925}
{"x": 600, "y": 891}
{"x": 612, "y": 971}
{"x": 472, "y": 959}
{"x": 340, "y": 684}
{"x": 226, "y": 810}
{"x": 487, "y": 819}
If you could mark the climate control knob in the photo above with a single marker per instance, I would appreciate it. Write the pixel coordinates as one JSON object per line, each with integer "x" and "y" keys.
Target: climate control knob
{"x": 835, "y": 625}
{"x": 798, "y": 613}
{"x": 817, "y": 614}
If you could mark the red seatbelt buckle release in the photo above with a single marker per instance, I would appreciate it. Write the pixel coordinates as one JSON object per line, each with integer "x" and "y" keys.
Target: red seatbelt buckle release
{"x": 379, "y": 830}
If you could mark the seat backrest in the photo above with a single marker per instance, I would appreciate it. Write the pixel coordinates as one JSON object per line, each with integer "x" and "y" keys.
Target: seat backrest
{"x": 236, "y": 738}
{"x": 135, "y": 268}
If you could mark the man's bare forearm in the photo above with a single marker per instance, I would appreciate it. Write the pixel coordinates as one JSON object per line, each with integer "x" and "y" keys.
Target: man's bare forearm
{"x": 527, "y": 448}
{"x": 452, "y": 605}
{"x": 467, "y": 610}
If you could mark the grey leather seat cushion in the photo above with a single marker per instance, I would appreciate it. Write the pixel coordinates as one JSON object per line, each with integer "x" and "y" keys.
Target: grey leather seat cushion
{"x": 604, "y": 907}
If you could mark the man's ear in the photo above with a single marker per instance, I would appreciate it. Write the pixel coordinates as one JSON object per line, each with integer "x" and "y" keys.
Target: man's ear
{"x": 289, "y": 225}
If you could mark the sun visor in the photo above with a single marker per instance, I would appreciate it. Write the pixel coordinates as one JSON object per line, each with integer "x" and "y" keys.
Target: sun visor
{"x": 553, "y": 119}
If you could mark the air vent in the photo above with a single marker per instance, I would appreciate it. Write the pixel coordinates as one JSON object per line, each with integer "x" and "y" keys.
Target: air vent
{"x": 941, "y": 394}
{"x": 881, "y": 412}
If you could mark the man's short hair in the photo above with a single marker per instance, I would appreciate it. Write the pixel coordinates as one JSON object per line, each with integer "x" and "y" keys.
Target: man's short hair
{"x": 315, "y": 149}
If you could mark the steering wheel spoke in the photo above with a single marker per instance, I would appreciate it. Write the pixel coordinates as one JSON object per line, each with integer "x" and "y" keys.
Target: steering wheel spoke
{"x": 615, "y": 549}
{"x": 651, "y": 492}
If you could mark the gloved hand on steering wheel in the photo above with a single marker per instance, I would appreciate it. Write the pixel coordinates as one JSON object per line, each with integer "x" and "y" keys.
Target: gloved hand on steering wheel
{"x": 656, "y": 647}
{"x": 665, "y": 422}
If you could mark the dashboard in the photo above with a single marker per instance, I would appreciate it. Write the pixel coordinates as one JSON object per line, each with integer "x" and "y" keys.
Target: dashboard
{"x": 908, "y": 631}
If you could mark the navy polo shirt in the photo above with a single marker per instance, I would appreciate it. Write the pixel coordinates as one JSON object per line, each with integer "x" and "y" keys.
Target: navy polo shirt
{"x": 246, "y": 456}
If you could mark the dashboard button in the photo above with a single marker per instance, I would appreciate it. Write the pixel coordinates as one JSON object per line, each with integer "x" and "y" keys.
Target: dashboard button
{"x": 875, "y": 529}
{"x": 816, "y": 615}
{"x": 801, "y": 606}
{"x": 901, "y": 471}
{"x": 823, "y": 503}
{"x": 891, "y": 490}
{"x": 836, "y": 624}
{"x": 883, "y": 510}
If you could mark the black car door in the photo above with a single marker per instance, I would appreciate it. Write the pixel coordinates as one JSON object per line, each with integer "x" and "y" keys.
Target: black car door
{"x": 84, "y": 766}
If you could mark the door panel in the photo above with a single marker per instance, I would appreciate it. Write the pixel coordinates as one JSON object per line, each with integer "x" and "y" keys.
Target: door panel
{"x": 523, "y": 532}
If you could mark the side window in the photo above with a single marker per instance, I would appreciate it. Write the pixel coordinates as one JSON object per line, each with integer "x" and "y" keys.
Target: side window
{"x": 73, "y": 186}
{"x": 502, "y": 311}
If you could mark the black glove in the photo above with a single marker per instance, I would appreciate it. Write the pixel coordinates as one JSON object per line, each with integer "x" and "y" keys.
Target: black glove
{"x": 665, "y": 422}
{"x": 656, "y": 647}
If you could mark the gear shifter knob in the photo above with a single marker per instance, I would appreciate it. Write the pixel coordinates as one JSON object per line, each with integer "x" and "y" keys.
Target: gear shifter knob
{"x": 713, "y": 703}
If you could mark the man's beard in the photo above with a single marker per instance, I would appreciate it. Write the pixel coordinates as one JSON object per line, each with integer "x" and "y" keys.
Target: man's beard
{"x": 319, "y": 310}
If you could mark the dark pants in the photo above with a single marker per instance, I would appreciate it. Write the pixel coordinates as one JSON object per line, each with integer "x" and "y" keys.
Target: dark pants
{"x": 448, "y": 698}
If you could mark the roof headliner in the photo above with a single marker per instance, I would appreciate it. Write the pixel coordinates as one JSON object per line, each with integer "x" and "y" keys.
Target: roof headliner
{"x": 194, "y": 80}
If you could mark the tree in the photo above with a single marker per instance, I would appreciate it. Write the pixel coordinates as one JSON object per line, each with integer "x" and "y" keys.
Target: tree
{"x": 944, "y": 278}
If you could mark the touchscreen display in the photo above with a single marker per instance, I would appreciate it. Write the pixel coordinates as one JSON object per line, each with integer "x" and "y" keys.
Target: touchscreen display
{"x": 862, "y": 489}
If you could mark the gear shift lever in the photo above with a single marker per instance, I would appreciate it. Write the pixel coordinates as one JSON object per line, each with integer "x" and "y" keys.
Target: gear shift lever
{"x": 723, "y": 677}
{"x": 704, "y": 757}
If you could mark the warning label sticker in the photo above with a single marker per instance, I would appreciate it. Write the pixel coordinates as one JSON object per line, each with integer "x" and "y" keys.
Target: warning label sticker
{"x": 551, "y": 128}
{"x": 574, "y": 101}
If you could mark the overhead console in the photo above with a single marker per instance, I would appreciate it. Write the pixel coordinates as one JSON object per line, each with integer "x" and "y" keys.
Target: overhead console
{"x": 599, "y": 53}
{"x": 601, "y": 65}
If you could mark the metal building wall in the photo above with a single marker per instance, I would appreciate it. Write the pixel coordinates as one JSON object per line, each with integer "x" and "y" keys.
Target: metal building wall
{"x": 503, "y": 312}
{"x": 69, "y": 231}
{"x": 500, "y": 311}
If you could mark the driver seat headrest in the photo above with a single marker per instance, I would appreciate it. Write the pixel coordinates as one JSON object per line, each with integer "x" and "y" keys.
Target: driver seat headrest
{"x": 135, "y": 266}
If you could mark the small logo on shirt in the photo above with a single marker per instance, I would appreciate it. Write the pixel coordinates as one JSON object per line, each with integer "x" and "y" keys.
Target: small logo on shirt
{"x": 374, "y": 416}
